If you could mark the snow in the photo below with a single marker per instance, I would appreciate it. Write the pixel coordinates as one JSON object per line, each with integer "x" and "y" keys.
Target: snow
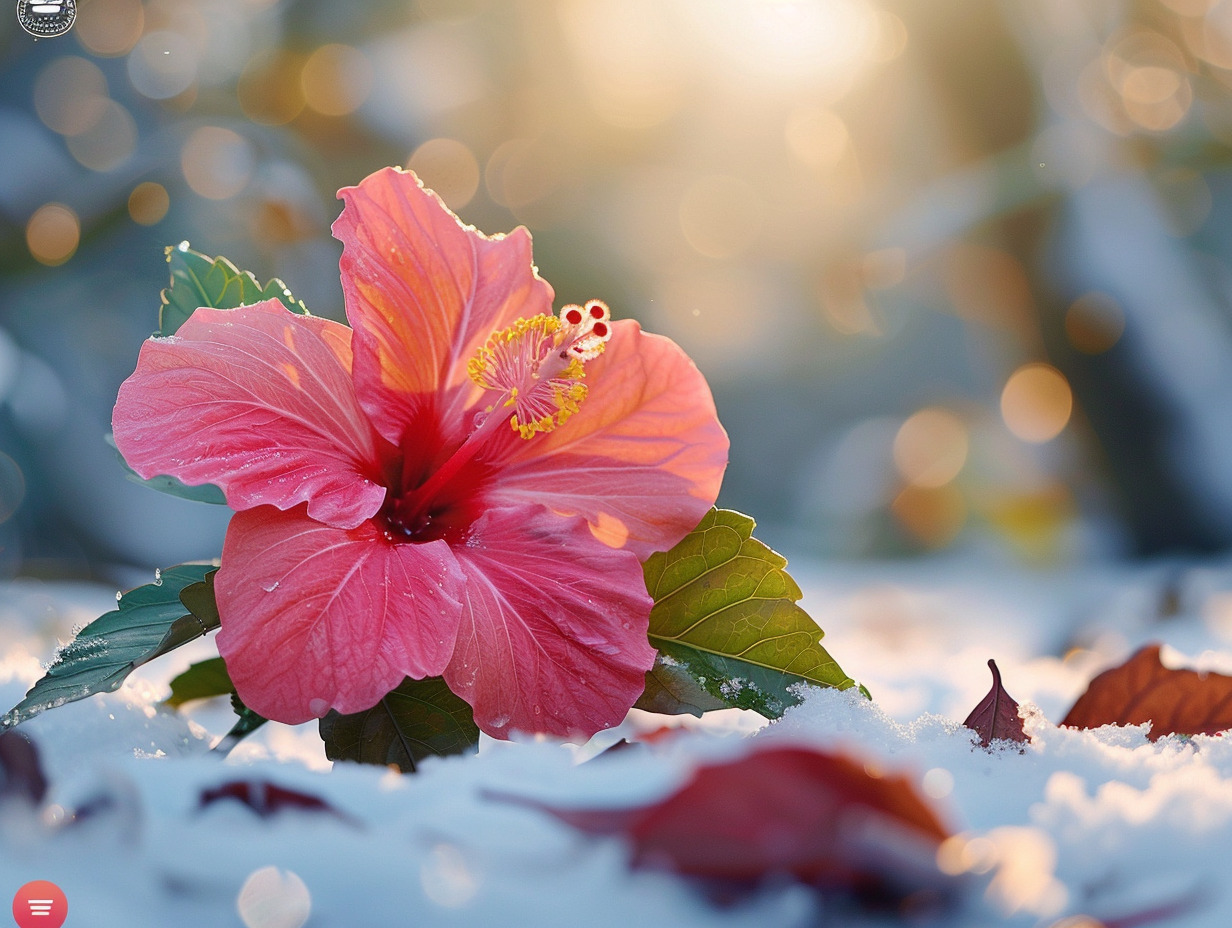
{"x": 1104, "y": 824}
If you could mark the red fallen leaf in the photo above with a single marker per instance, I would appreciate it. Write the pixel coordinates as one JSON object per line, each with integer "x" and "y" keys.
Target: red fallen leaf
{"x": 266, "y": 798}
{"x": 825, "y": 819}
{"x": 1175, "y": 702}
{"x": 21, "y": 774}
{"x": 997, "y": 714}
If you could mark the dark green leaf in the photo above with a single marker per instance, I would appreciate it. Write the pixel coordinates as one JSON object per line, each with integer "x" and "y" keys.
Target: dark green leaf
{"x": 199, "y": 280}
{"x": 198, "y": 598}
{"x": 202, "y": 618}
{"x": 246, "y": 723}
{"x": 203, "y": 680}
{"x": 727, "y": 626}
{"x": 149, "y": 621}
{"x": 419, "y": 719}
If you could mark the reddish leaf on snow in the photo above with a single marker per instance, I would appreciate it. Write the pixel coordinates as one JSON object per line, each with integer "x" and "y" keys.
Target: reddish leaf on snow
{"x": 825, "y": 819}
{"x": 1175, "y": 702}
{"x": 996, "y": 716}
{"x": 266, "y": 798}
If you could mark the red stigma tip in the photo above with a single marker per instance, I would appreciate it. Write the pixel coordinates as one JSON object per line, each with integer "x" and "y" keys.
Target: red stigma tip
{"x": 600, "y": 329}
{"x": 596, "y": 312}
{"x": 573, "y": 317}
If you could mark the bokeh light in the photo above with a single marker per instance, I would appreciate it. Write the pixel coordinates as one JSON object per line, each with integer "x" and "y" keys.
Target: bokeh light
{"x": 1036, "y": 403}
{"x": 934, "y": 516}
{"x": 269, "y": 89}
{"x": 448, "y": 167}
{"x": 217, "y": 162}
{"x": 70, "y": 95}
{"x": 109, "y": 142}
{"x": 53, "y": 234}
{"x": 521, "y": 173}
{"x": 930, "y": 448}
{"x": 336, "y": 79}
{"x": 148, "y": 203}
{"x": 163, "y": 64}
{"x": 109, "y": 28}
{"x": 274, "y": 898}
{"x": 816, "y": 136}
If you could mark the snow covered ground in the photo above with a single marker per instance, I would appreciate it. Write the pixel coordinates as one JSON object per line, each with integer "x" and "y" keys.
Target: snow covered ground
{"x": 1103, "y": 824}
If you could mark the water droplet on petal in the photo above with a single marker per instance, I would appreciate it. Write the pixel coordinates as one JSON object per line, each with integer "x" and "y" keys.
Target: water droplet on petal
{"x": 158, "y": 576}
{"x": 273, "y": 586}
{"x": 119, "y": 596}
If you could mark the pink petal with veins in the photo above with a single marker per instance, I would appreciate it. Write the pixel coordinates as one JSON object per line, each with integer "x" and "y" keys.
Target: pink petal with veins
{"x": 423, "y": 292}
{"x": 317, "y": 618}
{"x": 642, "y": 459}
{"x": 259, "y": 401}
{"x": 553, "y": 633}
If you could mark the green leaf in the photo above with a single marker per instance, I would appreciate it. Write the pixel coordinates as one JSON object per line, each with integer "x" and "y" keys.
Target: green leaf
{"x": 203, "y": 680}
{"x": 419, "y": 719}
{"x": 149, "y": 621}
{"x": 199, "y": 280}
{"x": 727, "y": 625}
{"x": 246, "y": 723}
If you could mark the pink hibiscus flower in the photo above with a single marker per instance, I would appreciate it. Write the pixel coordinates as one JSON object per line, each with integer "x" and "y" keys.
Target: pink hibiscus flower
{"x": 461, "y": 483}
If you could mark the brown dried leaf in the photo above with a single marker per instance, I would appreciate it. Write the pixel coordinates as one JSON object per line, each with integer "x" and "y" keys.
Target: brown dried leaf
{"x": 996, "y": 716}
{"x": 1175, "y": 702}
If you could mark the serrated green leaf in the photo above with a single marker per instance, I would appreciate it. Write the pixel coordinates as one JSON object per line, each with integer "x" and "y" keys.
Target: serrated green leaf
{"x": 727, "y": 625}
{"x": 199, "y": 280}
{"x": 148, "y": 621}
{"x": 419, "y": 719}
{"x": 203, "y": 680}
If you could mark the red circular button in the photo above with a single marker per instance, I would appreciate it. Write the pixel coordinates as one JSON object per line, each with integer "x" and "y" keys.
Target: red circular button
{"x": 40, "y": 904}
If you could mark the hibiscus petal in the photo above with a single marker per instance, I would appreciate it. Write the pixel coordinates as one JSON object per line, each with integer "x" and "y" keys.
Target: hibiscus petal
{"x": 553, "y": 635}
{"x": 642, "y": 459}
{"x": 317, "y": 618}
{"x": 423, "y": 292}
{"x": 259, "y": 401}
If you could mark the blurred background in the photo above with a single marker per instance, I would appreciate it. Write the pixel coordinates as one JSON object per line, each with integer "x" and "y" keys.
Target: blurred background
{"x": 959, "y": 271}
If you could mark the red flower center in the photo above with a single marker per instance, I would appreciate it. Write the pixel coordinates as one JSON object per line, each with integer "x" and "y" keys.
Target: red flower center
{"x": 533, "y": 371}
